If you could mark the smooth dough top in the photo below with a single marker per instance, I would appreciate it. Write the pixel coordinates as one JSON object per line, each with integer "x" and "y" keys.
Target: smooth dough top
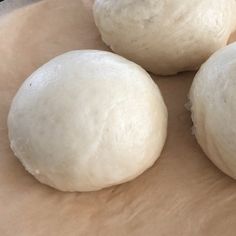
{"x": 213, "y": 100}
{"x": 165, "y": 36}
{"x": 86, "y": 120}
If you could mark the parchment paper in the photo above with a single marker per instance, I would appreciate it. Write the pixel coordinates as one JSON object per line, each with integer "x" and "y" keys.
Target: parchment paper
{"x": 183, "y": 194}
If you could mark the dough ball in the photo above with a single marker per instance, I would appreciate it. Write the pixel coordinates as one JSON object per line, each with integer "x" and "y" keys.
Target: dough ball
{"x": 165, "y": 36}
{"x": 87, "y": 120}
{"x": 213, "y": 100}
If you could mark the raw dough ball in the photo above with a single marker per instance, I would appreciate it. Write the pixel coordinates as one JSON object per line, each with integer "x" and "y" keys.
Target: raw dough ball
{"x": 213, "y": 100}
{"x": 87, "y": 120}
{"x": 165, "y": 36}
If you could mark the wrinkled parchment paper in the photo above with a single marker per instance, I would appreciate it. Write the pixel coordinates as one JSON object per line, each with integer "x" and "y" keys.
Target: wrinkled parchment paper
{"x": 183, "y": 194}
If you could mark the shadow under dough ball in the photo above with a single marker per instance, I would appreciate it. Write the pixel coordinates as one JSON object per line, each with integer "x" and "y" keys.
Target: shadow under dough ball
{"x": 213, "y": 106}
{"x": 165, "y": 36}
{"x": 87, "y": 120}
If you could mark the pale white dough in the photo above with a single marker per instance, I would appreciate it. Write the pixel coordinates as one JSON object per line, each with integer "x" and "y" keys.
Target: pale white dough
{"x": 213, "y": 105}
{"x": 165, "y": 36}
{"x": 87, "y": 120}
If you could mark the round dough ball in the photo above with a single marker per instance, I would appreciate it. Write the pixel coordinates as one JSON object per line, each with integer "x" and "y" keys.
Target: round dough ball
{"x": 165, "y": 36}
{"x": 213, "y": 105}
{"x": 87, "y": 120}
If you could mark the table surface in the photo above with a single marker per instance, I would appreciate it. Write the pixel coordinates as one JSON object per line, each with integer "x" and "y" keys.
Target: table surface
{"x": 9, "y": 5}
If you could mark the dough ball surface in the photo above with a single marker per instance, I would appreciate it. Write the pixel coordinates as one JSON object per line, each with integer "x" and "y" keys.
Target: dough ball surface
{"x": 87, "y": 120}
{"x": 213, "y": 105}
{"x": 165, "y": 36}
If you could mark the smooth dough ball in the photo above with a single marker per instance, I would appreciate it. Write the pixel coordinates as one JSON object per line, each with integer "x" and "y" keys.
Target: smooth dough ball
{"x": 213, "y": 105}
{"x": 87, "y": 120}
{"x": 165, "y": 36}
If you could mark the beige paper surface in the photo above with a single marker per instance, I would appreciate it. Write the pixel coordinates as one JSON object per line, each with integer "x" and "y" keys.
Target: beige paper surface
{"x": 183, "y": 194}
